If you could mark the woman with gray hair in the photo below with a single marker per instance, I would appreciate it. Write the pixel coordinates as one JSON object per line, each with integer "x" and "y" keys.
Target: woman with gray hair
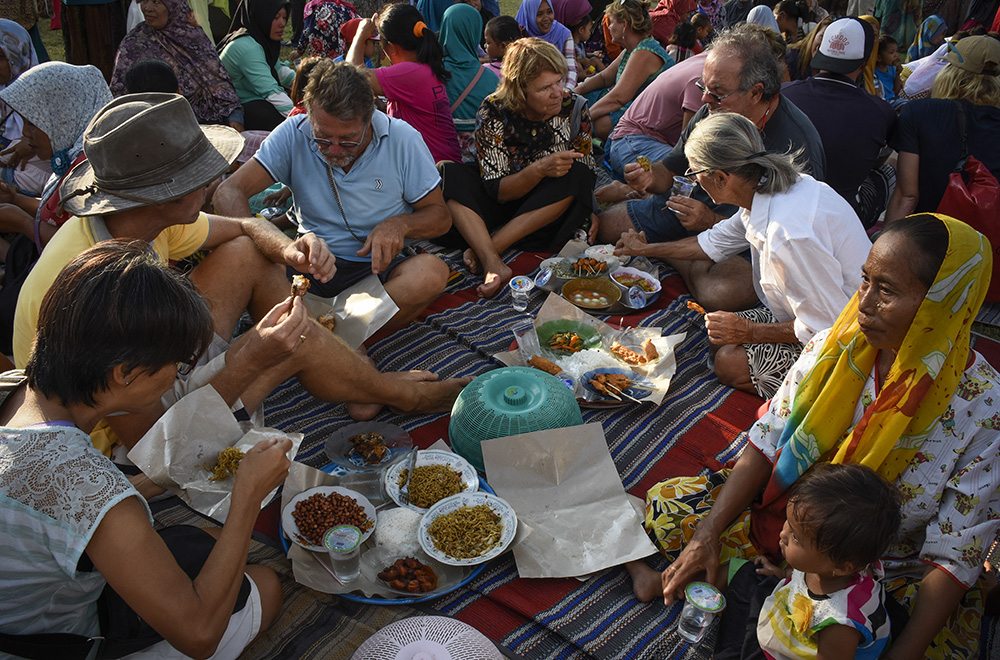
{"x": 805, "y": 243}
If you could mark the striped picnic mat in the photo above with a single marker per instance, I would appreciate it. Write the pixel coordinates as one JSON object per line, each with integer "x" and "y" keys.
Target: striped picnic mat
{"x": 695, "y": 430}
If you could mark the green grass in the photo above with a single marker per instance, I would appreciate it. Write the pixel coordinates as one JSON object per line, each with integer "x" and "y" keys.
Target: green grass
{"x": 53, "y": 40}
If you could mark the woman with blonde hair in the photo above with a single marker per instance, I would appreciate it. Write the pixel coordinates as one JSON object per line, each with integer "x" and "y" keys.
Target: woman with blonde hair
{"x": 800, "y": 54}
{"x": 532, "y": 185}
{"x": 642, "y": 59}
{"x": 806, "y": 246}
{"x": 929, "y": 134}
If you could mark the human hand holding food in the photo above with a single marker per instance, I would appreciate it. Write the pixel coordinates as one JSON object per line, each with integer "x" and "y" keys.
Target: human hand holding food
{"x": 631, "y": 243}
{"x": 278, "y": 334}
{"x": 264, "y": 467}
{"x": 557, "y": 164}
{"x": 638, "y": 177}
{"x": 309, "y": 254}
{"x": 728, "y": 328}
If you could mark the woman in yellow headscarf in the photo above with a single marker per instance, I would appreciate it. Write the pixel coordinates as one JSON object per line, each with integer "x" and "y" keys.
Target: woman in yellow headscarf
{"x": 894, "y": 385}
{"x": 869, "y": 72}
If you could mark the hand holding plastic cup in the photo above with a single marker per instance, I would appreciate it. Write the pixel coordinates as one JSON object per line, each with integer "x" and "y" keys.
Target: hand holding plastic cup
{"x": 683, "y": 187}
{"x": 702, "y": 603}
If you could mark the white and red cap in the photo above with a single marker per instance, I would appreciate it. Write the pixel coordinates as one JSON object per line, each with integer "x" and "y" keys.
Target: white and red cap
{"x": 846, "y": 46}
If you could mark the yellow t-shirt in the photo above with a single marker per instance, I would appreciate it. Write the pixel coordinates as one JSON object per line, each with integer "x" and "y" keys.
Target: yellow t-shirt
{"x": 77, "y": 235}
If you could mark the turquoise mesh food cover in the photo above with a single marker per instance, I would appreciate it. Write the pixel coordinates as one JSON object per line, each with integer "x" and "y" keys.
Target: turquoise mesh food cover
{"x": 505, "y": 402}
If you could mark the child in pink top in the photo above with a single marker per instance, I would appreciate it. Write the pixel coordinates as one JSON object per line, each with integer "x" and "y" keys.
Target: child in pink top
{"x": 414, "y": 84}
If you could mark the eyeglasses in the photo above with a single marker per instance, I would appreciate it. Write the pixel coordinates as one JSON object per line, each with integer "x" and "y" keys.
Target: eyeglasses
{"x": 691, "y": 174}
{"x": 700, "y": 84}
{"x": 347, "y": 144}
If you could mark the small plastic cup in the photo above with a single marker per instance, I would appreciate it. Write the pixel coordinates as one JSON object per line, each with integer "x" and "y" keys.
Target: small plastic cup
{"x": 702, "y": 603}
{"x": 683, "y": 187}
{"x": 520, "y": 287}
{"x": 343, "y": 543}
{"x": 527, "y": 338}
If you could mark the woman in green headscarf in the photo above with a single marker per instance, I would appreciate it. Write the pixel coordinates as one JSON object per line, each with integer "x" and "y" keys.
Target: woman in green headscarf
{"x": 895, "y": 386}
{"x": 470, "y": 81}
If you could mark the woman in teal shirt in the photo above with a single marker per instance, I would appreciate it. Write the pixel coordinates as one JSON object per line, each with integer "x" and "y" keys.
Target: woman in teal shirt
{"x": 250, "y": 54}
{"x": 641, "y": 60}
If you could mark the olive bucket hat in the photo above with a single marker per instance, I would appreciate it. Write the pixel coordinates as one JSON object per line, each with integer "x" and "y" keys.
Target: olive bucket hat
{"x": 143, "y": 150}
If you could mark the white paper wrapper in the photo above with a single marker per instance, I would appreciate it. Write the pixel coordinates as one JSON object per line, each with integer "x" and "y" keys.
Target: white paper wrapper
{"x": 360, "y": 310}
{"x": 659, "y": 371}
{"x": 563, "y": 484}
{"x": 188, "y": 437}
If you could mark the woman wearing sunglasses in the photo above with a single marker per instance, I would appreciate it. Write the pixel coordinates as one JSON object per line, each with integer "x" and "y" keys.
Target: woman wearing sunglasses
{"x": 805, "y": 242}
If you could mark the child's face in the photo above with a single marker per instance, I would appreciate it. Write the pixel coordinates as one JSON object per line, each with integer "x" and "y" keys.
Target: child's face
{"x": 701, "y": 32}
{"x": 797, "y": 546}
{"x": 493, "y": 49}
{"x": 889, "y": 56}
{"x": 582, "y": 33}
{"x": 369, "y": 48}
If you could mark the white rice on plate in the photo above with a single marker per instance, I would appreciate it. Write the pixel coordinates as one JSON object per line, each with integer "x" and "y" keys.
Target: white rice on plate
{"x": 580, "y": 363}
{"x": 397, "y": 530}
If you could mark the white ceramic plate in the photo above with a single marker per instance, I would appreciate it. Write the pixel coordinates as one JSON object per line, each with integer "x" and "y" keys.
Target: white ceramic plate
{"x": 380, "y": 557}
{"x": 499, "y": 506}
{"x": 291, "y": 530}
{"x": 430, "y": 457}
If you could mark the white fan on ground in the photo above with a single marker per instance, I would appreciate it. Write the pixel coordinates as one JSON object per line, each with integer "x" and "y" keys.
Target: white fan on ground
{"x": 427, "y": 638}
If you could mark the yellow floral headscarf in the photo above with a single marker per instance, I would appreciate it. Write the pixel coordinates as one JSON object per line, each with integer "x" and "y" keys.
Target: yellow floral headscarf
{"x": 917, "y": 389}
{"x": 869, "y": 72}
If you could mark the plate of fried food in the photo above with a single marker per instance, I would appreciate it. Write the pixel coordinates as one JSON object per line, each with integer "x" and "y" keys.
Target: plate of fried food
{"x": 436, "y": 476}
{"x": 621, "y": 385}
{"x": 565, "y": 337}
{"x": 413, "y": 574}
{"x": 308, "y": 515}
{"x": 586, "y": 267}
{"x": 368, "y": 446}
{"x": 467, "y": 529}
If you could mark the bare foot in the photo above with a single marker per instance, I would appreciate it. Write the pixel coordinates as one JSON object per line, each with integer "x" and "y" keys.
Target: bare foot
{"x": 436, "y": 396}
{"x": 471, "y": 260}
{"x": 646, "y": 582}
{"x": 614, "y": 192}
{"x": 494, "y": 280}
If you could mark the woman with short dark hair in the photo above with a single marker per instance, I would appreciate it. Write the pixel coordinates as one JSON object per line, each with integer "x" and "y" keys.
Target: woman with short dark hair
{"x": 76, "y": 541}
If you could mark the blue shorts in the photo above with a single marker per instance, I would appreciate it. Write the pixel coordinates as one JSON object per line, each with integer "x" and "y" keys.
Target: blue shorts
{"x": 625, "y": 149}
{"x": 348, "y": 274}
{"x": 651, "y": 216}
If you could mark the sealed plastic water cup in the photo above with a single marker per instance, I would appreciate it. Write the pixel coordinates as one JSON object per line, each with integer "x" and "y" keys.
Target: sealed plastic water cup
{"x": 702, "y": 603}
{"x": 343, "y": 543}
{"x": 683, "y": 187}
{"x": 520, "y": 287}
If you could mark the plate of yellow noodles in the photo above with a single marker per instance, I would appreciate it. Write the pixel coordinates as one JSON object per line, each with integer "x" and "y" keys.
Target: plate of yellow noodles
{"x": 438, "y": 474}
{"x": 467, "y": 529}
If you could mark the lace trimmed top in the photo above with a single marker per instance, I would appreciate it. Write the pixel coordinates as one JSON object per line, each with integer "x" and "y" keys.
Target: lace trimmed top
{"x": 55, "y": 489}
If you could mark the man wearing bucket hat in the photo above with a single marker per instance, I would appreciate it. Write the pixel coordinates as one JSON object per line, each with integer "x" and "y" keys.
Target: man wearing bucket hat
{"x": 853, "y": 124}
{"x": 145, "y": 178}
{"x": 364, "y": 183}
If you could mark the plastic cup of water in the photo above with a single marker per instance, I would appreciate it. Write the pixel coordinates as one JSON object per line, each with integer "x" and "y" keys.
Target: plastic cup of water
{"x": 527, "y": 338}
{"x": 343, "y": 543}
{"x": 520, "y": 287}
{"x": 683, "y": 187}
{"x": 702, "y": 603}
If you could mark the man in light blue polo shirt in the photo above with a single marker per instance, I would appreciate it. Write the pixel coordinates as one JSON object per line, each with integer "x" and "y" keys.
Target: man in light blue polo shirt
{"x": 361, "y": 181}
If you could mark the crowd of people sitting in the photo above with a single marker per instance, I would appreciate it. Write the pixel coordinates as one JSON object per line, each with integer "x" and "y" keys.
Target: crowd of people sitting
{"x": 793, "y": 166}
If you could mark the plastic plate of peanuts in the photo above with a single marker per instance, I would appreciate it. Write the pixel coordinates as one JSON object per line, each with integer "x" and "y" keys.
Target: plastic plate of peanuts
{"x": 310, "y": 513}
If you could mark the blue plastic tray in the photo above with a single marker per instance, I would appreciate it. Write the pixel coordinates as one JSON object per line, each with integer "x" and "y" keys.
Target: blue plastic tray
{"x": 332, "y": 467}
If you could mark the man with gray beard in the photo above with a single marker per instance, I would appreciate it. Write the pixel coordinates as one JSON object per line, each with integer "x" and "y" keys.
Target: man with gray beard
{"x": 362, "y": 182}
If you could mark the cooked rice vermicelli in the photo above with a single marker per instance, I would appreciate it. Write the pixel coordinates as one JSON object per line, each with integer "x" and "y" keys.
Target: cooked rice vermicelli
{"x": 468, "y": 532}
{"x": 431, "y": 483}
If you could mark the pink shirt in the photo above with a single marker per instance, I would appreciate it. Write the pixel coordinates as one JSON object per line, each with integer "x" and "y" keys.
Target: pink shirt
{"x": 658, "y": 111}
{"x": 416, "y": 96}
